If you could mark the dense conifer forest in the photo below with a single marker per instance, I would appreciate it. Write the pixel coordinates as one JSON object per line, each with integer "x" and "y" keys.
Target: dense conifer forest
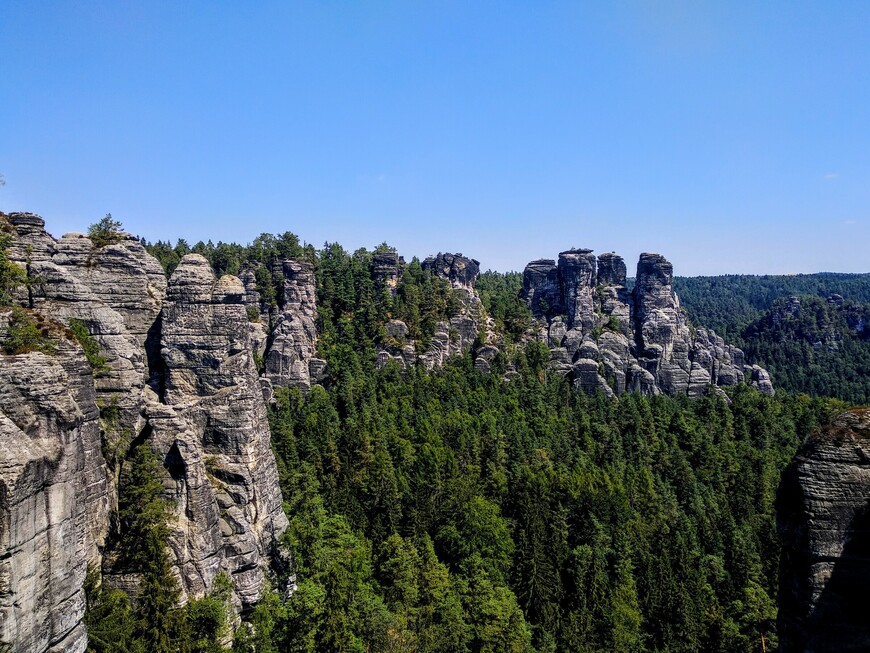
{"x": 451, "y": 510}
{"x": 810, "y": 330}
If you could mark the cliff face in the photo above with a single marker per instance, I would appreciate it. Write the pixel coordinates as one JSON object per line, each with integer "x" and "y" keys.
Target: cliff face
{"x": 824, "y": 521}
{"x": 179, "y": 373}
{"x": 285, "y": 335}
{"x": 53, "y": 494}
{"x": 212, "y": 431}
{"x": 614, "y": 340}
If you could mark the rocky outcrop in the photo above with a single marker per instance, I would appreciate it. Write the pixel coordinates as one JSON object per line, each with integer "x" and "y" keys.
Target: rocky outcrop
{"x": 615, "y": 340}
{"x": 386, "y": 267}
{"x": 117, "y": 292}
{"x": 54, "y": 506}
{"x": 453, "y": 336}
{"x": 212, "y": 431}
{"x": 180, "y": 373}
{"x": 285, "y": 334}
{"x": 823, "y": 514}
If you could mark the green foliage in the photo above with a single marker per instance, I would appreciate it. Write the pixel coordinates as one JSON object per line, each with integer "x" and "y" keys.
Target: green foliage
{"x": 12, "y": 277}
{"x": 90, "y": 346}
{"x": 152, "y": 622}
{"x": 729, "y": 303}
{"x": 501, "y": 294}
{"x": 452, "y": 511}
{"x": 105, "y": 232}
{"x": 823, "y": 349}
{"x": 27, "y": 332}
{"x": 816, "y": 346}
{"x": 229, "y": 258}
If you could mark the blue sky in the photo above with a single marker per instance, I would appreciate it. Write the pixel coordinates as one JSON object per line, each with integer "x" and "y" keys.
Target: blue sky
{"x": 731, "y": 137}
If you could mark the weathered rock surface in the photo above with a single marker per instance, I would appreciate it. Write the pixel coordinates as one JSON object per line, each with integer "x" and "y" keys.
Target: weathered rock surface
{"x": 212, "y": 431}
{"x": 179, "y": 372}
{"x": 615, "y": 340}
{"x": 823, "y": 516}
{"x": 386, "y": 269}
{"x": 54, "y": 508}
{"x": 286, "y": 334}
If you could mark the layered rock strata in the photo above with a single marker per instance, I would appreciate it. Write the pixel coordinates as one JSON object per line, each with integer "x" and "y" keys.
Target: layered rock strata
{"x": 212, "y": 431}
{"x": 179, "y": 373}
{"x": 285, "y": 334}
{"x": 53, "y": 494}
{"x": 615, "y": 340}
{"x": 823, "y": 514}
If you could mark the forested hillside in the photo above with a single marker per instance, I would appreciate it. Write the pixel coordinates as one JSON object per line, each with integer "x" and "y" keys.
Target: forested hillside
{"x": 814, "y": 345}
{"x": 809, "y": 331}
{"x": 452, "y": 510}
{"x": 729, "y": 303}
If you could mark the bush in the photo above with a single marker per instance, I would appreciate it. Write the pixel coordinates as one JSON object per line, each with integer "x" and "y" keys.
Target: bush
{"x": 24, "y": 335}
{"x": 89, "y": 345}
{"x": 105, "y": 232}
{"x": 12, "y": 277}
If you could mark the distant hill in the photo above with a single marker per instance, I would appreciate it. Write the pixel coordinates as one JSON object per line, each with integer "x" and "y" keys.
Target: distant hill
{"x": 812, "y": 332}
{"x": 729, "y": 303}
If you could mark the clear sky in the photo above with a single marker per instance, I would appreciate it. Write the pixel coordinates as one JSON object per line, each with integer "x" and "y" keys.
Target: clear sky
{"x": 731, "y": 137}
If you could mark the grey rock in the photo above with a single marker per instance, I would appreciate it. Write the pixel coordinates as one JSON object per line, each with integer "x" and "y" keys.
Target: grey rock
{"x": 824, "y": 523}
{"x": 54, "y": 504}
{"x": 292, "y": 341}
{"x": 456, "y": 268}
{"x": 386, "y": 267}
{"x": 577, "y": 276}
{"x": 212, "y": 431}
{"x": 642, "y": 337}
{"x": 542, "y": 288}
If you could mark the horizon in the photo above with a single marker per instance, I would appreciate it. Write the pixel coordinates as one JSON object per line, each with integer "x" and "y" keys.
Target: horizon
{"x": 483, "y": 267}
{"x": 731, "y": 139}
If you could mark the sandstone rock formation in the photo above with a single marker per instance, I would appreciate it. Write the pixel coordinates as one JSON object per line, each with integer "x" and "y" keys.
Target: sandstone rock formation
{"x": 179, "y": 373}
{"x": 615, "y": 340}
{"x": 211, "y": 429}
{"x": 453, "y": 336}
{"x": 823, "y": 515}
{"x": 54, "y": 508}
{"x": 286, "y": 333}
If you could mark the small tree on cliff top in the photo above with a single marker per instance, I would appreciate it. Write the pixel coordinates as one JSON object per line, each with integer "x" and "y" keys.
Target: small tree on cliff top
{"x": 106, "y": 231}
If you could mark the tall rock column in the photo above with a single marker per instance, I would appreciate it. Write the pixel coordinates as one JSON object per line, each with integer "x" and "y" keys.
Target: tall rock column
{"x": 291, "y": 350}
{"x": 577, "y": 275}
{"x": 664, "y": 339}
{"x": 212, "y": 431}
{"x": 823, "y": 515}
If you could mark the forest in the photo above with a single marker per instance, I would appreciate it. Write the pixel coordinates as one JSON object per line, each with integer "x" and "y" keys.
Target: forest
{"x": 449, "y": 510}
{"x": 810, "y": 331}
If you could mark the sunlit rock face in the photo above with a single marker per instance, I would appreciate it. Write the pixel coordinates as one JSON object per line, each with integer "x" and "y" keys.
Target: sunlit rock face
{"x": 614, "y": 340}
{"x": 212, "y": 431}
{"x": 179, "y": 373}
{"x": 823, "y": 515}
{"x": 54, "y": 499}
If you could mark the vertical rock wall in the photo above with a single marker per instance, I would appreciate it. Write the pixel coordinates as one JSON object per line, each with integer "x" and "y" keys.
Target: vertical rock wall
{"x": 180, "y": 372}
{"x": 823, "y": 514}
{"x": 53, "y": 495}
{"x": 212, "y": 430}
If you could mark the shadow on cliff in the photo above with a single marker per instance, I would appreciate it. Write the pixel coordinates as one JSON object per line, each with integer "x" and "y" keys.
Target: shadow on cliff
{"x": 838, "y": 620}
